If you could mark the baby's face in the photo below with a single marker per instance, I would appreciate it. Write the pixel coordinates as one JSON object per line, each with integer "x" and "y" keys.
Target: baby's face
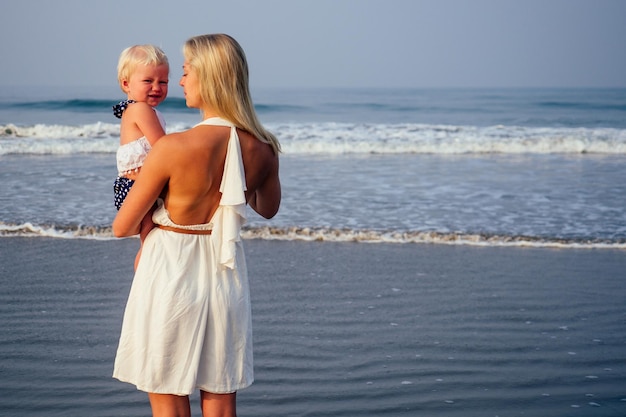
{"x": 148, "y": 83}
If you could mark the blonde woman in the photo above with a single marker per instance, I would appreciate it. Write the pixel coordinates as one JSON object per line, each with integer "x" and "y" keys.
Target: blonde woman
{"x": 187, "y": 324}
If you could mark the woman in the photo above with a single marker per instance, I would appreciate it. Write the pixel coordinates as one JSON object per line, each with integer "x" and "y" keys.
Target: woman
{"x": 187, "y": 324}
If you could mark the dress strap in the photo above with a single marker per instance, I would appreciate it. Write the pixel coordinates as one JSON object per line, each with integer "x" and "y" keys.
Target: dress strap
{"x": 119, "y": 108}
{"x": 215, "y": 121}
{"x": 231, "y": 213}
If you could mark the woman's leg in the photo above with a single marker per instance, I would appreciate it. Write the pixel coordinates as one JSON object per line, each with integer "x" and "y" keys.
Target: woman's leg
{"x": 168, "y": 405}
{"x": 218, "y": 405}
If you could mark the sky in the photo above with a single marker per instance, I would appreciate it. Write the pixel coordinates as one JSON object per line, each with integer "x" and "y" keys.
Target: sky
{"x": 328, "y": 43}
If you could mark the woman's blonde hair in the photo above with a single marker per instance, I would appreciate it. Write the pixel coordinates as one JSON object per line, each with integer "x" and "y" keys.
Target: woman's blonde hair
{"x": 136, "y": 55}
{"x": 222, "y": 71}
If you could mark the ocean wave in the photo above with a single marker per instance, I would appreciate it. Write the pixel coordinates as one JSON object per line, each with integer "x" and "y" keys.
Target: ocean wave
{"x": 54, "y": 231}
{"x": 53, "y": 139}
{"x": 56, "y": 132}
{"x": 343, "y": 138}
{"x": 430, "y": 237}
{"x": 347, "y": 138}
{"x": 334, "y": 235}
{"x": 85, "y": 105}
{"x": 583, "y": 106}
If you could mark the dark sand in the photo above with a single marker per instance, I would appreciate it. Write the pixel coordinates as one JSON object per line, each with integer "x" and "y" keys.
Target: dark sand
{"x": 341, "y": 329}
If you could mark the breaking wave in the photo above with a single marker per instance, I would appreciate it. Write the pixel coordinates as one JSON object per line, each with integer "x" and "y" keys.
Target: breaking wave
{"x": 328, "y": 138}
{"x": 332, "y": 235}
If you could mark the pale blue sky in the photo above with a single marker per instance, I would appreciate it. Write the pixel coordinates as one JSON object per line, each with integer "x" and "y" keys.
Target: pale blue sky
{"x": 329, "y": 43}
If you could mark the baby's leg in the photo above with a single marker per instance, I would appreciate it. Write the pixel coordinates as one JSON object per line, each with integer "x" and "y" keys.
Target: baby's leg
{"x": 146, "y": 226}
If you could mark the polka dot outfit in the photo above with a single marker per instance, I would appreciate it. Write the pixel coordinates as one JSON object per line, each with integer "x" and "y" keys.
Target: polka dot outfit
{"x": 121, "y": 187}
{"x": 119, "y": 108}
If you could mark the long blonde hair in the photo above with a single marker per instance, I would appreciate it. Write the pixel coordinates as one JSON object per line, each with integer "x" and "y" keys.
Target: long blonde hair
{"x": 222, "y": 70}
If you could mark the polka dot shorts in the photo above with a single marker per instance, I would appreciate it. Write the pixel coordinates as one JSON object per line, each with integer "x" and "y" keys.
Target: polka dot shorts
{"x": 121, "y": 187}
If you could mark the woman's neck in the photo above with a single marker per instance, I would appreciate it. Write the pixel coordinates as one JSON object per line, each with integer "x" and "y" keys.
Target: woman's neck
{"x": 209, "y": 112}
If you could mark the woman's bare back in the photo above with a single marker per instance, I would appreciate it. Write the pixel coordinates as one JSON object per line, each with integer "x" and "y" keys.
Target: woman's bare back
{"x": 197, "y": 165}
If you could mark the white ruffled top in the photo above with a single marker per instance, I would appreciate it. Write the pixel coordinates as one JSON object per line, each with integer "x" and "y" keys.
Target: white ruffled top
{"x": 131, "y": 156}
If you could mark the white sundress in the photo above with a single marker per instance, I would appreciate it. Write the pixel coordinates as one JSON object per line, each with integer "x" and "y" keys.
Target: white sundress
{"x": 187, "y": 323}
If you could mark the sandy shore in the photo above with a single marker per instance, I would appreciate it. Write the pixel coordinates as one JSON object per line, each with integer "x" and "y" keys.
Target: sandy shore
{"x": 341, "y": 329}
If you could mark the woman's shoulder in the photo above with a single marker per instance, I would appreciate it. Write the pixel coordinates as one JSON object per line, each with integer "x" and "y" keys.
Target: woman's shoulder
{"x": 171, "y": 140}
{"x": 250, "y": 143}
{"x": 188, "y": 140}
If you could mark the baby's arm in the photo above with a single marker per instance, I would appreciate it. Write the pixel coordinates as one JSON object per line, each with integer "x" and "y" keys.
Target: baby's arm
{"x": 146, "y": 120}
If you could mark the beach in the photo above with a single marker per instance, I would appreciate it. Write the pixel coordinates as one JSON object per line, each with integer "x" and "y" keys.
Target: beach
{"x": 438, "y": 252}
{"x": 340, "y": 329}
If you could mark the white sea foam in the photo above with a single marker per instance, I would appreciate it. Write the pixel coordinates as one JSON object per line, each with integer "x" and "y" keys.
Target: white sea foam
{"x": 73, "y": 232}
{"x": 45, "y": 131}
{"x": 337, "y": 138}
{"x": 330, "y": 235}
{"x": 343, "y": 138}
{"x": 376, "y": 236}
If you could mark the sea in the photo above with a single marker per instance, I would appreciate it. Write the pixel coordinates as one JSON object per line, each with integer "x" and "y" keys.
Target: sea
{"x": 541, "y": 167}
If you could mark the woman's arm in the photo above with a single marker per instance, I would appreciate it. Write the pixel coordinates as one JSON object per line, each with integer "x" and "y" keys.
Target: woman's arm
{"x": 266, "y": 199}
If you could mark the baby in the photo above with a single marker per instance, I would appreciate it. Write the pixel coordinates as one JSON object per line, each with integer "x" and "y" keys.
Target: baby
{"x": 143, "y": 74}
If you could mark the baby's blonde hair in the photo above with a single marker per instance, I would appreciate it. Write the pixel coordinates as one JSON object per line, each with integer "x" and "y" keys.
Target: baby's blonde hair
{"x": 136, "y": 55}
{"x": 223, "y": 76}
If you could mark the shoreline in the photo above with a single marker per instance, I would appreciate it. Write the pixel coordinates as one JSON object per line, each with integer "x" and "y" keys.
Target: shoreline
{"x": 318, "y": 234}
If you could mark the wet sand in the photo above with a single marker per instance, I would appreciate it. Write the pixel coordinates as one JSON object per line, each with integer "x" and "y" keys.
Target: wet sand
{"x": 340, "y": 329}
